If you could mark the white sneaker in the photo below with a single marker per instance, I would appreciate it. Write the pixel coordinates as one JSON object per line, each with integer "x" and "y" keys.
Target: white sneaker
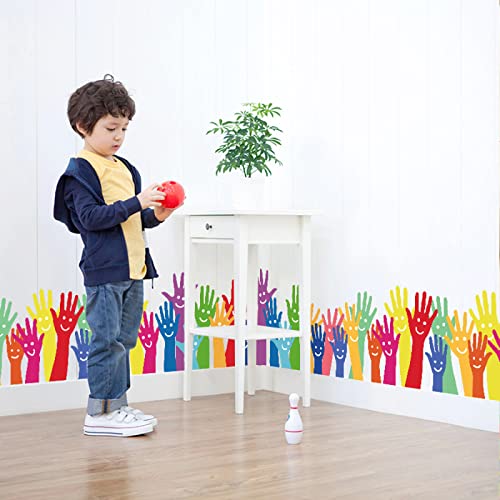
{"x": 139, "y": 415}
{"x": 118, "y": 423}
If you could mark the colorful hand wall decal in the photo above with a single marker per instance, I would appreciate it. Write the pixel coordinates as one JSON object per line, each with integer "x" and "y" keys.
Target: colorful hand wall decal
{"x": 81, "y": 351}
{"x": 375, "y": 353}
{"x": 229, "y": 306}
{"x": 351, "y": 323}
{"x": 329, "y": 324}
{"x": 31, "y": 343}
{"x": 462, "y": 347}
{"x": 46, "y": 327}
{"x": 459, "y": 346}
{"x": 177, "y": 299}
{"x": 65, "y": 322}
{"x": 339, "y": 349}
{"x": 486, "y": 320}
{"x": 420, "y": 322}
{"x": 148, "y": 335}
{"x": 7, "y": 318}
{"x": 168, "y": 321}
{"x": 389, "y": 342}
{"x": 397, "y": 310}
{"x": 441, "y": 327}
{"x": 478, "y": 359}
{"x": 264, "y": 296}
{"x": 437, "y": 360}
{"x": 293, "y": 314}
{"x": 15, "y": 353}
{"x": 364, "y": 306}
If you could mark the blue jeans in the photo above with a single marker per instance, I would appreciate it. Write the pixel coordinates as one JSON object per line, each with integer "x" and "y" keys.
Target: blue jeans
{"x": 114, "y": 312}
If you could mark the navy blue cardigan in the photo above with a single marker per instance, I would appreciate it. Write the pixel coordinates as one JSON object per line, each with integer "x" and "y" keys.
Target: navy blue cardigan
{"x": 79, "y": 204}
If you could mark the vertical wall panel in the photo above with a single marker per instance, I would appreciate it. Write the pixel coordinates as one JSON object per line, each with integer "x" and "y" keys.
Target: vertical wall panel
{"x": 18, "y": 190}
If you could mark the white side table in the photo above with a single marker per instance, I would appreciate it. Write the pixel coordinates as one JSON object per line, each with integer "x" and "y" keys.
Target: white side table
{"x": 245, "y": 230}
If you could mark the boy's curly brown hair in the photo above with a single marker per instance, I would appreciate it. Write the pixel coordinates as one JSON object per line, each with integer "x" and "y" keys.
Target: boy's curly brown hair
{"x": 89, "y": 103}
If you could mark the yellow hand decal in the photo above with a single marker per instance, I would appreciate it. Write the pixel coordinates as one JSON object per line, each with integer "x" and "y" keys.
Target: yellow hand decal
{"x": 351, "y": 323}
{"x": 398, "y": 312}
{"x": 315, "y": 316}
{"x": 137, "y": 353}
{"x": 221, "y": 318}
{"x": 486, "y": 321}
{"x": 45, "y": 325}
{"x": 459, "y": 346}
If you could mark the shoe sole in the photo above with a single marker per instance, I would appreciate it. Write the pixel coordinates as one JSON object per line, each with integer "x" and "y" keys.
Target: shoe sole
{"x": 96, "y": 430}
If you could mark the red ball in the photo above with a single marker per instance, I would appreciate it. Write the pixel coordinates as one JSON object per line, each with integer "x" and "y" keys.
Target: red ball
{"x": 174, "y": 194}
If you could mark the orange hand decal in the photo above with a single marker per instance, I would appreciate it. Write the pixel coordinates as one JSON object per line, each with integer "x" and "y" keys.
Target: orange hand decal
{"x": 460, "y": 336}
{"x": 486, "y": 321}
{"x": 15, "y": 354}
{"x": 478, "y": 360}
{"x": 329, "y": 324}
{"x": 375, "y": 352}
{"x": 351, "y": 323}
{"x": 222, "y": 317}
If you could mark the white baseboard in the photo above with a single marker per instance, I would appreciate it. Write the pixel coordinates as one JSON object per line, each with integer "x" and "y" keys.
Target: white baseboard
{"x": 71, "y": 394}
{"x": 446, "y": 408}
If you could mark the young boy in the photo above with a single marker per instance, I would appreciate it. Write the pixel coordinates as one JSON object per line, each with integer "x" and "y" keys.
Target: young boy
{"x": 99, "y": 196}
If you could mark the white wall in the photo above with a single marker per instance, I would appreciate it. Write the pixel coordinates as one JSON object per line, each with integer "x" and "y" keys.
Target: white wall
{"x": 390, "y": 114}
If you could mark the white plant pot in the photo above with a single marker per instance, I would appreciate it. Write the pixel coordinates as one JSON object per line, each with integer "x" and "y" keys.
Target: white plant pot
{"x": 246, "y": 193}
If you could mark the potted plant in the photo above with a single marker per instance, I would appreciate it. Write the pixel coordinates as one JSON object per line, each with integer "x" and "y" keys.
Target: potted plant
{"x": 247, "y": 146}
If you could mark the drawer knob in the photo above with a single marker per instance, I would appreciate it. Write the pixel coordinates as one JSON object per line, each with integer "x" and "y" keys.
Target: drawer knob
{"x": 208, "y": 226}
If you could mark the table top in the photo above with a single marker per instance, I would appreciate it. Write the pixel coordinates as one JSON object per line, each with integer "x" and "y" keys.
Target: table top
{"x": 218, "y": 211}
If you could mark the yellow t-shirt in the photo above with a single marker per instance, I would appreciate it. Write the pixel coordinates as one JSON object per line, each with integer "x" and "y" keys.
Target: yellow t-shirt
{"x": 117, "y": 184}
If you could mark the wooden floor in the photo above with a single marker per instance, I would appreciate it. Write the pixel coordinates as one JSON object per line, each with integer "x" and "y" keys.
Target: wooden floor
{"x": 203, "y": 450}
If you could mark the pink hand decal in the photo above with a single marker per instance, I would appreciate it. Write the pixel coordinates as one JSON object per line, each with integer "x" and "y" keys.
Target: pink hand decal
{"x": 389, "y": 343}
{"x": 31, "y": 343}
{"x": 148, "y": 336}
{"x": 329, "y": 324}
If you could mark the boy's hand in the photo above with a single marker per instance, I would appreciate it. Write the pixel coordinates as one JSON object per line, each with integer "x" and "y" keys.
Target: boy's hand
{"x": 151, "y": 197}
{"x": 162, "y": 213}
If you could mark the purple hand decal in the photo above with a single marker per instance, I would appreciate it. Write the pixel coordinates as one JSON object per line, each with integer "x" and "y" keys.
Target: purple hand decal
{"x": 177, "y": 299}
{"x": 264, "y": 295}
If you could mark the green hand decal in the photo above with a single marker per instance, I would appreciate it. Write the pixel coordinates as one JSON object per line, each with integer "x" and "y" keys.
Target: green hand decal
{"x": 293, "y": 309}
{"x": 203, "y": 353}
{"x": 82, "y": 320}
{"x": 364, "y": 306}
{"x": 203, "y": 311}
{"x": 6, "y": 322}
{"x": 294, "y": 322}
{"x": 441, "y": 327}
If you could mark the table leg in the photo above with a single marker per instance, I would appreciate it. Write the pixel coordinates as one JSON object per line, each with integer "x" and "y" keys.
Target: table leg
{"x": 305, "y": 303}
{"x": 188, "y": 338}
{"x": 252, "y": 316}
{"x": 240, "y": 298}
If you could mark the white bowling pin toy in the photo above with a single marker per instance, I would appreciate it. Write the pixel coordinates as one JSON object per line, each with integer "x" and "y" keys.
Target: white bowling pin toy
{"x": 293, "y": 425}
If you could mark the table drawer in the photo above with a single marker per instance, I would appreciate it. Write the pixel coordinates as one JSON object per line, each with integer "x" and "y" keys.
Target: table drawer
{"x": 210, "y": 226}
